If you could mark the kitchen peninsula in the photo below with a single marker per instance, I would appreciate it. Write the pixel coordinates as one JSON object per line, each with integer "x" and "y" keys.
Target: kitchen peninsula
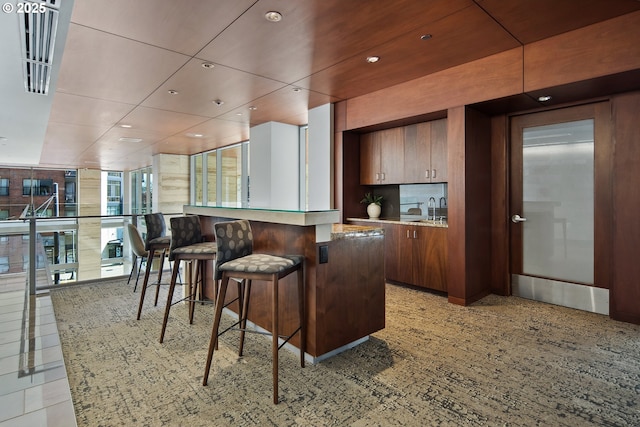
{"x": 415, "y": 251}
{"x": 344, "y": 274}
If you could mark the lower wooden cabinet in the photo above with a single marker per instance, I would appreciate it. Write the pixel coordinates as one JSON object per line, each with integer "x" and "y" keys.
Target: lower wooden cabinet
{"x": 415, "y": 255}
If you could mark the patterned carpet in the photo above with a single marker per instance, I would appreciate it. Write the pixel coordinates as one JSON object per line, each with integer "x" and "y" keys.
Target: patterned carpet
{"x": 502, "y": 361}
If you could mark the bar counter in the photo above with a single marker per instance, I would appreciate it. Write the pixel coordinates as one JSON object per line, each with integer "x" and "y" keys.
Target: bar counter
{"x": 344, "y": 296}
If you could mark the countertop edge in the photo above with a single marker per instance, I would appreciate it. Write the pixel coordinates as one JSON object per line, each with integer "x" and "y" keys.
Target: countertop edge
{"x": 435, "y": 224}
{"x": 268, "y": 215}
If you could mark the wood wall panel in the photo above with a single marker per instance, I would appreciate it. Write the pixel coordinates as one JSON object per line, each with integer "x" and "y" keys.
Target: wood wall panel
{"x": 469, "y": 237}
{"x": 500, "y": 278}
{"x": 346, "y": 293}
{"x": 478, "y": 203}
{"x": 456, "y": 249}
{"x": 625, "y": 289}
{"x": 492, "y": 77}
{"x": 612, "y": 47}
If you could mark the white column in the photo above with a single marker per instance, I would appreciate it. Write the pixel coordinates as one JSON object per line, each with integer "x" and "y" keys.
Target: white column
{"x": 320, "y": 158}
{"x": 274, "y": 166}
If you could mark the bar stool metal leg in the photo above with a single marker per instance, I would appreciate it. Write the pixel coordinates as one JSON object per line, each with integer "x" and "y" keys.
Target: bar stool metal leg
{"x": 145, "y": 281}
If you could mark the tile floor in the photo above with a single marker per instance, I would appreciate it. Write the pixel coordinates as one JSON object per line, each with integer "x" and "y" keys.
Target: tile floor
{"x": 34, "y": 390}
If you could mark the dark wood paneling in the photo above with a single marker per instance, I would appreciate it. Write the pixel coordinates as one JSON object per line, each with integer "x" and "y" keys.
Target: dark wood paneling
{"x": 478, "y": 196}
{"x": 500, "y": 281}
{"x": 354, "y": 76}
{"x": 350, "y": 296}
{"x": 625, "y": 289}
{"x": 344, "y": 297}
{"x": 469, "y": 233}
{"x": 496, "y": 76}
{"x": 350, "y": 172}
{"x": 603, "y": 198}
{"x": 457, "y": 250}
{"x": 533, "y": 20}
{"x": 566, "y": 58}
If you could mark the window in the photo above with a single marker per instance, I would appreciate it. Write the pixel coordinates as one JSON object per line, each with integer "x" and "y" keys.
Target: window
{"x": 4, "y": 186}
{"x": 231, "y": 177}
{"x": 40, "y": 187}
{"x": 141, "y": 185}
{"x": 212, "y": 178}
{"x": 220, "y": 177}
{"x": 198, "y": 179}
{"x": 114, "y": 193}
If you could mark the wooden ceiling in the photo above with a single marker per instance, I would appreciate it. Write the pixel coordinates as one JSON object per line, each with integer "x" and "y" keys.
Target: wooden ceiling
{"x": 122, "y": 57}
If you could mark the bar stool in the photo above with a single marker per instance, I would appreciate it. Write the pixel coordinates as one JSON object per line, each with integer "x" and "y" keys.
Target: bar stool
{"x": 140, "y": 254}
{"x": 156, "y": 240}
{"x": 236, "y": 260}
{"x": 187, "y": 245}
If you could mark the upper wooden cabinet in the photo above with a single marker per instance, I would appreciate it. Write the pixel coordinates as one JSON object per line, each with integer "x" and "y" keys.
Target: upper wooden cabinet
{"x": 382, "y": 157}
{"x": 425, "y": 152}
{"x": 405, "y": 155}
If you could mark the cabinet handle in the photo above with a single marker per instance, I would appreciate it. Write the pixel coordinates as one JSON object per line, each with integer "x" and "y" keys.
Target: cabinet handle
{"x": 382, "y": 174}
{"x": 415, "y": 234}
{"x": 426, "y": 173}
{"x": 407, "y": 234}
{"x": 433, "y": 174}
{"x": 377, "y": 177}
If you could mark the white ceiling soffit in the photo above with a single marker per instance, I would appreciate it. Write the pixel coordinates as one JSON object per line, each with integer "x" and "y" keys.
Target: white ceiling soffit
{"x": 32, "y": 41}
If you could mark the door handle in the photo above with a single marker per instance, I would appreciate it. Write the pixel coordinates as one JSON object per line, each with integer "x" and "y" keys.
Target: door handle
{"x": 517, "y": 218}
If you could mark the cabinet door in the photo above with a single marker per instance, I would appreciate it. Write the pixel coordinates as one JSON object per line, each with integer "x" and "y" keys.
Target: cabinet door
{"x": 417, "y": 157}
{"x": 406, "y": 255}
{"x": 392, "y": 242}
{"x": 392, "y": 156}
{"x": 431, "y": 264}
{"x": 398, "y": 253}
{"x": 369, "y": 158}
{"x": 439, "y": 150}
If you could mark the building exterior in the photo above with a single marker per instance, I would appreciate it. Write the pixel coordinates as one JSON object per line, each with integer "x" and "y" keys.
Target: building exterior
{"x": 48, "y": 192}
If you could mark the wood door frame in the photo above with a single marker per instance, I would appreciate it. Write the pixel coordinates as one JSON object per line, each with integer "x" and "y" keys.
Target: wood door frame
{"x": 600, "y": 112}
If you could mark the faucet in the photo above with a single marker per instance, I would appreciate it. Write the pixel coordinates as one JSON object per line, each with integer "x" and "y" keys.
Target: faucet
{"x": 431, "y": 204}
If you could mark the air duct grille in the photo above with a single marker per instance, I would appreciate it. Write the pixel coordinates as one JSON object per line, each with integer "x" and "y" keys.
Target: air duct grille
{"x": 38, "y": 34}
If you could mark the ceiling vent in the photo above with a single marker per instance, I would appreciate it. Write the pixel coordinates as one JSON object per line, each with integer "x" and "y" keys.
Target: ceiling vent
{"x": 38, "y": 27}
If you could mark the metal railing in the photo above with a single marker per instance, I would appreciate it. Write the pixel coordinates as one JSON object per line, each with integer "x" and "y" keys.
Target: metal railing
{"x": 59, "y": 248}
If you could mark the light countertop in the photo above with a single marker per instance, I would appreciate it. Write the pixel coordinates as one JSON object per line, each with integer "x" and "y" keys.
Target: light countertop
{"x": 421, "y": 222}
{"x": 347, "y": 231}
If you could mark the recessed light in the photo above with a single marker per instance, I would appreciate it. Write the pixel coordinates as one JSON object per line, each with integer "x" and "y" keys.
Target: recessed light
{"x": 238, "y": 114}
{"x": 425, "y": 36}
{"x": 296, "y": 89}
{"x": 172, "y": 92}
{"x": 218, "y": 102}
{"x": 273, "y": 16}
{"x": 207, "y": 65}
{"x": 544, "y": 98}
{"x": 127, "y": 139}
{"x": 125, "y": 126}
{"x": 372, "y": 59}
{"x": 195, "y": 135}
{"x": 253, "y": 108}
